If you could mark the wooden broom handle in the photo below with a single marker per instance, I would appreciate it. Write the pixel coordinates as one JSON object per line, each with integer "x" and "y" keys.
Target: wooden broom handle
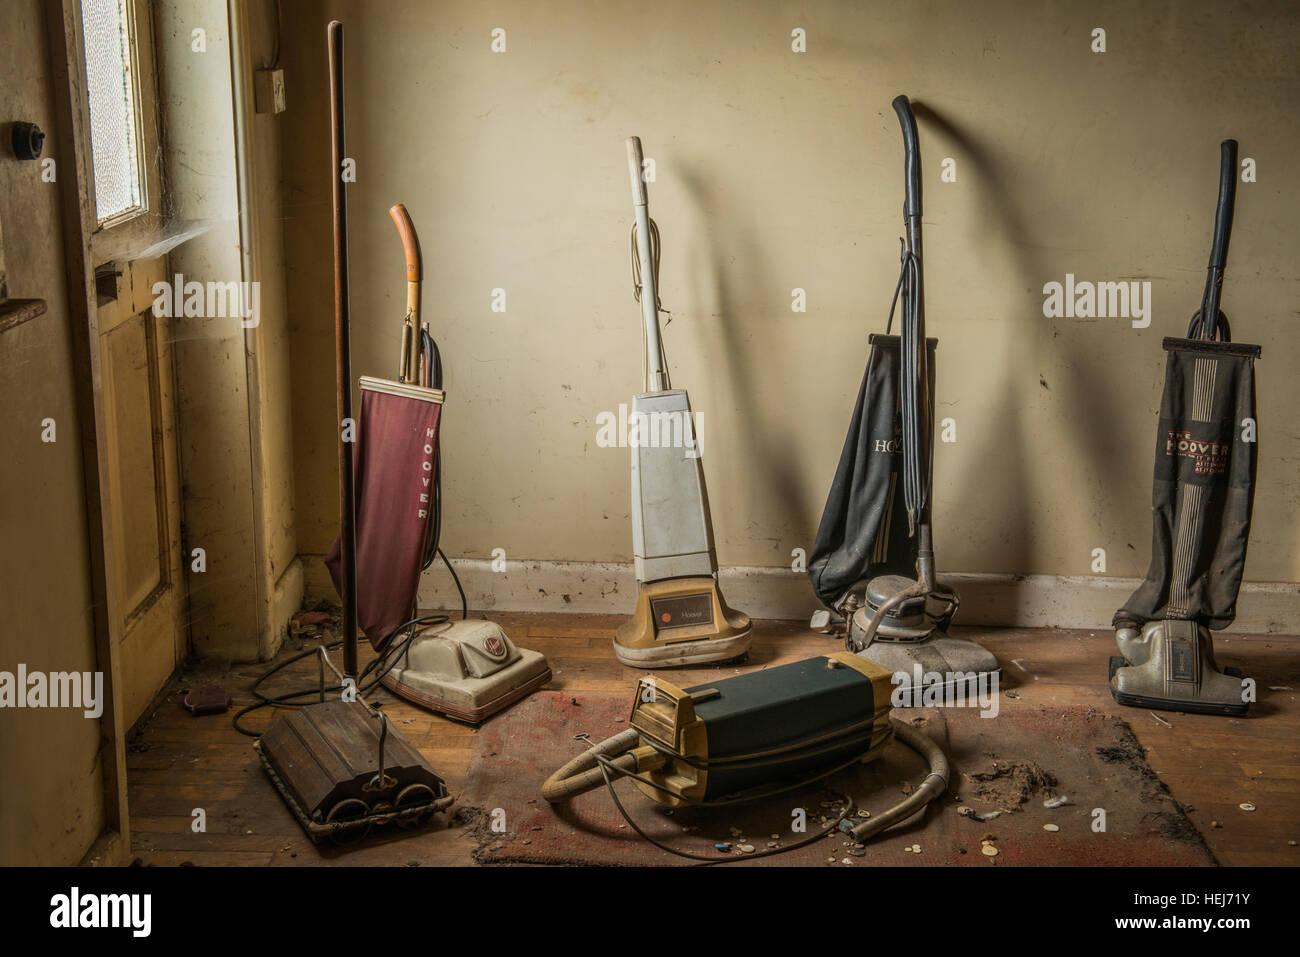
{"x": 343, "y": 347}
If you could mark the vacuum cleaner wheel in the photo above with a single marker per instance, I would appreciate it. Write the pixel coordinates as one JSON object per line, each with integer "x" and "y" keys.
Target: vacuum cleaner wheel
{"x": 1116, "y": 662}
{"x": 349, "y": 811}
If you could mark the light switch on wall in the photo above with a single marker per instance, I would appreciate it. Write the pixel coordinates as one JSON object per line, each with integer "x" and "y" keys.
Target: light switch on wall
{"x": 268, "y": 91}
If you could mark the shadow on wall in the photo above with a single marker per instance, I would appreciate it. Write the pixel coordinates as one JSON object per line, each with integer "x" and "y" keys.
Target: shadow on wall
{"x": 1090, "y": 412}
{"x": 764, "y": 448}
{"x": 1002, "y": 459}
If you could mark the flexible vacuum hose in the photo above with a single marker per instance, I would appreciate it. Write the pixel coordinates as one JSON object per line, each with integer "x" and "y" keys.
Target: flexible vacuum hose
{"x": 935, "y": 783}
{"x": 583, "y": 774}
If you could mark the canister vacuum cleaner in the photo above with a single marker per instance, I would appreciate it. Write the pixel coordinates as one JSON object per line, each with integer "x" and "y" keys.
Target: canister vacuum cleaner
{"x": 755, "y": 736}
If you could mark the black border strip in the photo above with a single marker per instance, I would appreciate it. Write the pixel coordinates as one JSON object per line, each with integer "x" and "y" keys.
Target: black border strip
{"x": 1210, "y": 347}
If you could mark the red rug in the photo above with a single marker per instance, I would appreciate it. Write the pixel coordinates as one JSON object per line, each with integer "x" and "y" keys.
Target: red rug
{"x": 1117, "y": 811}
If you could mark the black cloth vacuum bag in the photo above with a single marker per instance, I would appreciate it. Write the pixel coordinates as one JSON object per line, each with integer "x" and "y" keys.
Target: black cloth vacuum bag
{"x": 863, "y": 531}
{"x": 1204, "y": 486}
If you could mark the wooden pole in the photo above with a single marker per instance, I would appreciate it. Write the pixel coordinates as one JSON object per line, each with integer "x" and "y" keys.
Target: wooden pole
{"x": 343, "y": 365}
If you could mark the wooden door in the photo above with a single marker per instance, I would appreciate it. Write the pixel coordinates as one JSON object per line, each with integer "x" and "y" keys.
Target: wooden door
{"x": 142, "y": 517}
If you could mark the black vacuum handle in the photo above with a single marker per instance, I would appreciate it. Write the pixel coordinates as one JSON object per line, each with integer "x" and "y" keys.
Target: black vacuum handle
{"x": 1211, "y": 327}
{"x": 912, "y": 150}
{"x": 1227, "y": 203}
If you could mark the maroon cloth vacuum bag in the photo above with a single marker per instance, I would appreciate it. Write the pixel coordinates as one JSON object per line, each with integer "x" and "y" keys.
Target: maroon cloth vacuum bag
{"x": 396, "y": 460}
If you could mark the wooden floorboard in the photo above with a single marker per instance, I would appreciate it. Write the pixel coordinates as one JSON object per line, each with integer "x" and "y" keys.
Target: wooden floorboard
{"x": 178, "y": 764}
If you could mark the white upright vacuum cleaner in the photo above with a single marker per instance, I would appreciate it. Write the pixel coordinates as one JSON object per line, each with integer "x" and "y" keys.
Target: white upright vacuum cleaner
{"x": 681, "y": 617}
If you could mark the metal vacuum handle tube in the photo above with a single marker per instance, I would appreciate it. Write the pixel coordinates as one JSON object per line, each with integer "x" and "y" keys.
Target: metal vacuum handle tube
{"x": 917, "y": 414}
{"x": 1210, "y": 327}
{"x": 649, "y": 294}
{"x": 914, "y": 387}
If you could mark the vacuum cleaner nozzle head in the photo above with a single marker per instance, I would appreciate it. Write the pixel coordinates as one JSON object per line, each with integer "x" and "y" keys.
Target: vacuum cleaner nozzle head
{"x": 466, "y": 670}
{"x": 911, "y": 637}
{"x": 681, "y": 621}
{"x": 1170, "y": 666}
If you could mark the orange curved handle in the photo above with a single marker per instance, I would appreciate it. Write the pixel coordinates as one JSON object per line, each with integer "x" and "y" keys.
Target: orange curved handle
{"x": 410, "y": 243}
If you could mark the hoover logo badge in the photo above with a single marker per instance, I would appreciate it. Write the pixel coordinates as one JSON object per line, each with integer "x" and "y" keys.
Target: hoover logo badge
{"x": 494, "y": 646}
{"x": 426, "y": 466}
{"x": 682, "y": 611}
{"x": 1210, "y": 458}
{"x": 892, "y": 446}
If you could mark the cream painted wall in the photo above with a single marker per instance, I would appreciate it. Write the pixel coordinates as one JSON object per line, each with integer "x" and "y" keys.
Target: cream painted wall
{"x": 233, "y": 384}
{"x": 211, "y": 376}
{"x": 779, "y": 170}
{"x": 51, "y": 783}
{"x": 274, "y": 342}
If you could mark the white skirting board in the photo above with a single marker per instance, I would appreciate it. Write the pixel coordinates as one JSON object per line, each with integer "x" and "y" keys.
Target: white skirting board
{"x": 1023, "y": 601}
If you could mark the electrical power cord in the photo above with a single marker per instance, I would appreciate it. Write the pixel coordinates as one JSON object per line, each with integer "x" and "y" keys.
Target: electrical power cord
{"x": 605, "y": 765}
{"x": 574, "y": 779}
{"x": 391, "y": 651}
{"x": 376, "y": 669}
{"x": 659, "y": 306}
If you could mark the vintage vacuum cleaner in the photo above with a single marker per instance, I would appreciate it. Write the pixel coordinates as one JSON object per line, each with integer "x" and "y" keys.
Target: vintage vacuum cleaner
{"x": 339, "y": 764}
{"x": 466, "y": 669}
{"x": 681, "y": 617}
{"x": 755, "y": 736}
{"x": 1204, "y": 490}
{"x": 873, "y": 558}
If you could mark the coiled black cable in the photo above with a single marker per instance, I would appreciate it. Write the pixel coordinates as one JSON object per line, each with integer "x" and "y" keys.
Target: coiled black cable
{"x": 391, "y": 652}
{"x": 382, "y": 665}
{"x": 908, "y": 292}
{"x": 606, "y": 766}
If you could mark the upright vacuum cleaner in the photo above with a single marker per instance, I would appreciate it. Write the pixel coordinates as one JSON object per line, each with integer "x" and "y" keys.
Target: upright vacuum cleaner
{"x": 466, "y": 669}
{"x": 872, "y": 535}
{"x": 681, "y": 617}
{"x": 1202, "y": 498}
{"x": 340, "y": 765}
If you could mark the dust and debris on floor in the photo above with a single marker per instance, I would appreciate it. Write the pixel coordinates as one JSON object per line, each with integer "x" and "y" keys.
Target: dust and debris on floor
{"x": 1009, "y": 784}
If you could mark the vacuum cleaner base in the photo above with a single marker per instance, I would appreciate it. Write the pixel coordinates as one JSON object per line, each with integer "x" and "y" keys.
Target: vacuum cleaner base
{"x": 963, "y": 668}
{"x": 1170, "y": 666}
{"x": 682, "y": 621}
{"x": 467, "y": 670}
{"x": 680, "y": 653}
{"x": 911, "y": 643}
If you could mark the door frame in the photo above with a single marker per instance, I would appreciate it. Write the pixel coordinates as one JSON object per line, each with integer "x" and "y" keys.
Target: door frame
{"x": 82, "y": 235}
